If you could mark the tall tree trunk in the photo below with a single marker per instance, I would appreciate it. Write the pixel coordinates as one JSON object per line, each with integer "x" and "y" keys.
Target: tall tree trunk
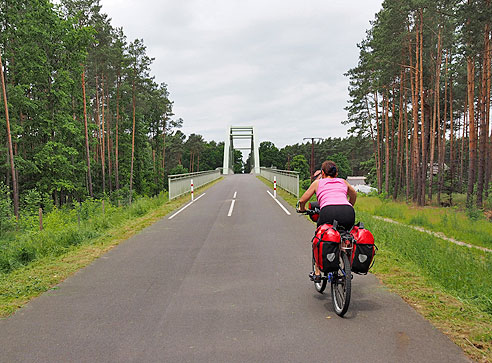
{"x": 423, "y": 170}
{"x": 116, "y": 152}
{"x": 153, "y": 166}
{"x": 371, "y": 129}
{"x": 435, "y": 117}
{"x": 133, "y": 133}
{"x": 452, "y": 160}
{"x": 407, "y": 166}
{"x": 387, "y": 142}
{"x": 103, "y": 148}
{"x": 164, "y": 150}
{"x": 487, "y": 108}
{"x": 399, "y": 163}
{"x": 414, "y": 85}
{"x": 464, "y": 135}
{"x": 98, "y": 123}
{"x": 87, "y": 152}
{"x": 378, "y": 164}
{"x": 9, "y": 140}
{"x": 483, "y": 122}
{"x": 432, "y": 142}
{"x": 470, "y": 66}
{"x": 108, "y": 140}
{"x": 442, "y": 135}
{"x": 392, "y": 138}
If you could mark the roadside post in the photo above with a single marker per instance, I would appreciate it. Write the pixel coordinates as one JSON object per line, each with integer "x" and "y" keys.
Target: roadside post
{"x": 192, "y": 190}
{"x": 275, "y": 187}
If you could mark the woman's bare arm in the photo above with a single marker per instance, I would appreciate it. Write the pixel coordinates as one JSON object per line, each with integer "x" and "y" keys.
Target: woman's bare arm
{"x": 351, "y": 193}
{"x": 307, "y": 195}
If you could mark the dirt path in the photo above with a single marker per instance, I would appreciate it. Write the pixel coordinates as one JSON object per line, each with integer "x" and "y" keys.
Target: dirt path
{"x": 437, "y": 234}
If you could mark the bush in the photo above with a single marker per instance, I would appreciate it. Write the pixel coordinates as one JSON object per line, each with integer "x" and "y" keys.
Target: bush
{"x": 474, "y": 213}
{"x": 373, "y": 193}
{"x": 7, "y": 218}
{"x": 300, "y": 164}
{"x": 305, "y": 184}
{"x": 122, "y": 196}
{"x": 178, "y": 169}
{"x": 488, "y": 202}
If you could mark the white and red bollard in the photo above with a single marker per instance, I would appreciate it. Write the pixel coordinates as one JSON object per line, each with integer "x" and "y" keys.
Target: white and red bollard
{"x": 275, "y": 187}
{"x": 192, "y": 193}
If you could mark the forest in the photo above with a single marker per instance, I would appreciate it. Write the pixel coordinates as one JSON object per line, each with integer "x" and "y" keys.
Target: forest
{"x": 421, "y": 92}
{"x": 353, "y": 156}
{"x": 84, "y": 116}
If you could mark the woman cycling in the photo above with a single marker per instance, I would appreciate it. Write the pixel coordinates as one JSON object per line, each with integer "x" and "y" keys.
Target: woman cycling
{"x": 332, "y": 195}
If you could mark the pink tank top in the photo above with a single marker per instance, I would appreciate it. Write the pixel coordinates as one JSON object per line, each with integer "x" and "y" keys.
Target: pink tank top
{"x": 332, "y": 191}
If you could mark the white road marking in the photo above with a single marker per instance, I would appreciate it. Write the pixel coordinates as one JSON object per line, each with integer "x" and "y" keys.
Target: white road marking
{"x": 231, "y": 208}
{"x": 235, "y": 193}
{"x": 280, "y": 204}
{"x": 186, "y": 206}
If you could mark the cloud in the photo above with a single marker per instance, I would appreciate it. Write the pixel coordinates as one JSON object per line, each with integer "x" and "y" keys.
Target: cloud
{"x": 277, "y": 65}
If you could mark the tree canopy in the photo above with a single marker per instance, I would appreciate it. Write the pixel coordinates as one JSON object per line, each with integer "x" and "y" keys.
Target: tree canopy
{"x": 87, "y": 117}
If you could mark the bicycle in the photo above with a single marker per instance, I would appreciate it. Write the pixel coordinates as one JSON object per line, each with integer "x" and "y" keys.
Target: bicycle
{"x": 340, "y": 280}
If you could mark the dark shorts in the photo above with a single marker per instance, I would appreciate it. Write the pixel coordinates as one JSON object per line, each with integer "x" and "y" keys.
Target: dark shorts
{"x": 343, "y": 214}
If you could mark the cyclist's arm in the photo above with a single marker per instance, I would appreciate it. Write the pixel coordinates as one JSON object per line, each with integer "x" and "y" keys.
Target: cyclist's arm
{"x": 351, "y": 192}
{"x": 307, "y": 195}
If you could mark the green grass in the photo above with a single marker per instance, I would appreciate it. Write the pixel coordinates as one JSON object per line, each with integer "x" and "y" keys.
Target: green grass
{"x": 61, "y": 249}
{"x": 449, "y": 285}
{"x": 61, "y": 230}
{"x": 450, "y": 221}
{"x": 462, "y": 272}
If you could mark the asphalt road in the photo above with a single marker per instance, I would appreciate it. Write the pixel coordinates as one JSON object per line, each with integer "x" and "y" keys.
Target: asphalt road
{"x": 208, "y": 287}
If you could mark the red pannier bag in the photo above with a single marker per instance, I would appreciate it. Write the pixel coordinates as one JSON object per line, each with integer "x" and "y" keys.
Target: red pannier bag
{"x": 313, "y": 206}
{"x": 326, "y": 248}
{"x": 364, "y": 249}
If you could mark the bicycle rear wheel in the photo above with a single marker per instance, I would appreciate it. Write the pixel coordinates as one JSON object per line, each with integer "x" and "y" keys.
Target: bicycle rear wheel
{"x": 341, "y": 285}
{"x": 319, "y": 286}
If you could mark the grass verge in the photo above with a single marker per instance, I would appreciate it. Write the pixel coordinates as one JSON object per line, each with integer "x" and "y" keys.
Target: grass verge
{"x": 450, "y": 221}
{"x": 26, "y": 282}
{"x": 449, "y": 285}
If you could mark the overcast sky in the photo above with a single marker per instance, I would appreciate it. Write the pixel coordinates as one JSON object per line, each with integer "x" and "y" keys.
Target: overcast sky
{"x": 277, "y": 65}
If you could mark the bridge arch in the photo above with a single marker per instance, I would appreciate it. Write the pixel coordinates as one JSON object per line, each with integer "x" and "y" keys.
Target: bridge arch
{"x": 237, "y": 133}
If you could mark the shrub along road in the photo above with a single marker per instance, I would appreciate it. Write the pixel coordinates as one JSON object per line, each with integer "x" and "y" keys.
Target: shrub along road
{"x": 220, "y": 281}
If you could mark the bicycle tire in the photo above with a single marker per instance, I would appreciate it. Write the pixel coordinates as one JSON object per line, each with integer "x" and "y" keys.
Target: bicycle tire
{"x": 319, "y": 286}
{"x": 341, "y": 286}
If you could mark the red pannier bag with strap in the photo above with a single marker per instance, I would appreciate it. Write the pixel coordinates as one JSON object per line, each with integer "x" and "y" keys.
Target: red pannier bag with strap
{"x": 364, "y": 249}
{"x": 326, "y": 248}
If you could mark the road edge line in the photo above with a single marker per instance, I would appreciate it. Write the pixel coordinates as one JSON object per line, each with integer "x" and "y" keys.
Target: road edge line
{"x": 280, "y": 204}
{"x": 186, "y": 206}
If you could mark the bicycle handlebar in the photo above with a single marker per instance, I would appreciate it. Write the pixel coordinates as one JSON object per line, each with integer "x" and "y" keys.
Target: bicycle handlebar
{"x": 309, "y": 212}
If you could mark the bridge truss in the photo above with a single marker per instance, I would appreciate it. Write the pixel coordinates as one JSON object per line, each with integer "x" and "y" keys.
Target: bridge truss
{"x": 240, "y": 133}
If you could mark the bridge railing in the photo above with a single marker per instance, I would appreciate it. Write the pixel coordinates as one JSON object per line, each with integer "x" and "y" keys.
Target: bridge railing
{"x": 288, "y": 180}
{"x": 180, "y": 184}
